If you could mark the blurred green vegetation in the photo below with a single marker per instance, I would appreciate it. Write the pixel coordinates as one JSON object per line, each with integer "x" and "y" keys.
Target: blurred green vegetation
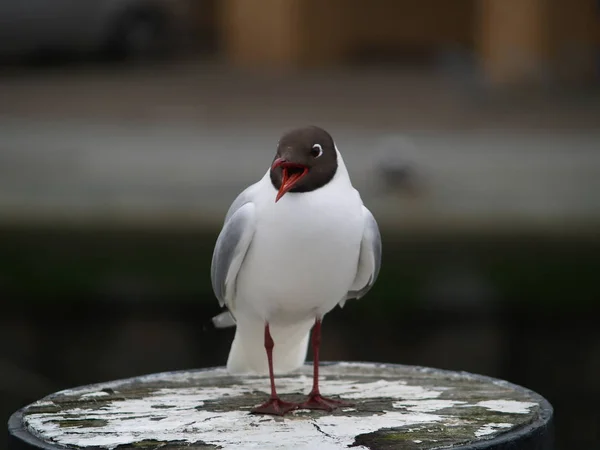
{"x": 68, "y": 264}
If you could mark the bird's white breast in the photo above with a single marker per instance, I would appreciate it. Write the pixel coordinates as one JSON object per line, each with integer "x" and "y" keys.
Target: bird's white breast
{"x": 304, "y": 254}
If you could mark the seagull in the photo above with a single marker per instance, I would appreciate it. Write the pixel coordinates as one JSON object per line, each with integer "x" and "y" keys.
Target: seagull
{"x": 293, "y": 246}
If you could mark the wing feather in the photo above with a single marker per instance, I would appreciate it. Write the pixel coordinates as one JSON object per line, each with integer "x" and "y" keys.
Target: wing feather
{"x": 231, "y": 248}
{"x": 369, "y": 260}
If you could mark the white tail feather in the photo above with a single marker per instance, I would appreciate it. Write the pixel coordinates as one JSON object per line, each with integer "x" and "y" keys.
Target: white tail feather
{"x": 247, "y": 354}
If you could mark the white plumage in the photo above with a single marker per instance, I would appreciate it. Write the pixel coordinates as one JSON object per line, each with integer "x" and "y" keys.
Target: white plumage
{"x": 294, "y": 245}
{"x": 302, "y": 259}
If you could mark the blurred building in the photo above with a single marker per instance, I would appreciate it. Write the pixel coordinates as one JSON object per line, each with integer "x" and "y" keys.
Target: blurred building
{"x": 510, "y": 41}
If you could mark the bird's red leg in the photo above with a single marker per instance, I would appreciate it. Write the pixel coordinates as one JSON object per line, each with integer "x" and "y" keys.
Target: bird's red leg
{"x": 274, "y": 405}
{"x": 315, "y": 399}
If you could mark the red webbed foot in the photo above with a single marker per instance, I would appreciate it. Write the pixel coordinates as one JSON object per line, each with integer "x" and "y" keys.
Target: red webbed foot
{"x": 317, "y": 401}
{"x": 275, "y": 406}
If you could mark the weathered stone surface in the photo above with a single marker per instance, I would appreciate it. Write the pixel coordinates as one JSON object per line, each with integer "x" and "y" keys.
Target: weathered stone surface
{"x": 395, "y": 407}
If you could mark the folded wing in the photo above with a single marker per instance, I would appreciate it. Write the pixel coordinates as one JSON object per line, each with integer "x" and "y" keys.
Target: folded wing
{"x": 369, "y": 260}
{"x": 231, "y": 248}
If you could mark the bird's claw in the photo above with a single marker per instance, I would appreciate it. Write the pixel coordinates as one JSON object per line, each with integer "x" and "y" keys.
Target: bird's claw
{"x": 317, "y": 401}
{"x": 275, "y": 406}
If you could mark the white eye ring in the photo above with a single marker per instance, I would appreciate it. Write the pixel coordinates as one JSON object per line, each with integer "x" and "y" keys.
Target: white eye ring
{"x": 319, "y": 148}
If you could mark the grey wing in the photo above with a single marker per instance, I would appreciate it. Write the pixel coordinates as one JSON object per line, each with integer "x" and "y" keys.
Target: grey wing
{"x": 245, "y": 196}
{"x": 231, "y": 248}
{"x": 369, "y": 260}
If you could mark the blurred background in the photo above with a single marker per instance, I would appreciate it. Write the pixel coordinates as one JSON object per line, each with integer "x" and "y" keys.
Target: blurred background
{"x": 471, "y": 128}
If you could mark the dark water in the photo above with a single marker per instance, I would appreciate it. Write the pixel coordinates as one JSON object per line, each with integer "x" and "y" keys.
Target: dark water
{"x": 83, "y": 306}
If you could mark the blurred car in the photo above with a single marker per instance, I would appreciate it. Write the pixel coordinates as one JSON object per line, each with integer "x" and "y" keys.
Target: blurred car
{"x": 121, "y": 28}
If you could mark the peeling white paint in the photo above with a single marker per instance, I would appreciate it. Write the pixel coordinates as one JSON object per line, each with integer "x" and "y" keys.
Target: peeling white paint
{"x": 507, "y": 406}
{"x": 382, "y": 388}
{"x": 360, "y": 365}
{"x": 171, "y": 414}
{"x": 45, "y": 403}
{"x": 96, "y": 394}
{"x": 491, "y": 428}
{"x": 426, "y": 405}
{"x": 351, "y": 388}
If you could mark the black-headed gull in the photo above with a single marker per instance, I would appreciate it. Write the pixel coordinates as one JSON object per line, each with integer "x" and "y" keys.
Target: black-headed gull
{"x": 293, "y": 246}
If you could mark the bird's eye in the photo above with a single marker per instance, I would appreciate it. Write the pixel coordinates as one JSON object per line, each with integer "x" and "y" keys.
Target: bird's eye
{"x": 316, "y": 151}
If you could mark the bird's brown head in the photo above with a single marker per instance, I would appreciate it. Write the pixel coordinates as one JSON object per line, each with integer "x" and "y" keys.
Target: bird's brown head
{"x": 306, "y": 160}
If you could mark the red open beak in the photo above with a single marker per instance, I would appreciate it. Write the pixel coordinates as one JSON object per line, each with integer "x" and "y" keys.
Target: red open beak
{"x": 289, "y": 179}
